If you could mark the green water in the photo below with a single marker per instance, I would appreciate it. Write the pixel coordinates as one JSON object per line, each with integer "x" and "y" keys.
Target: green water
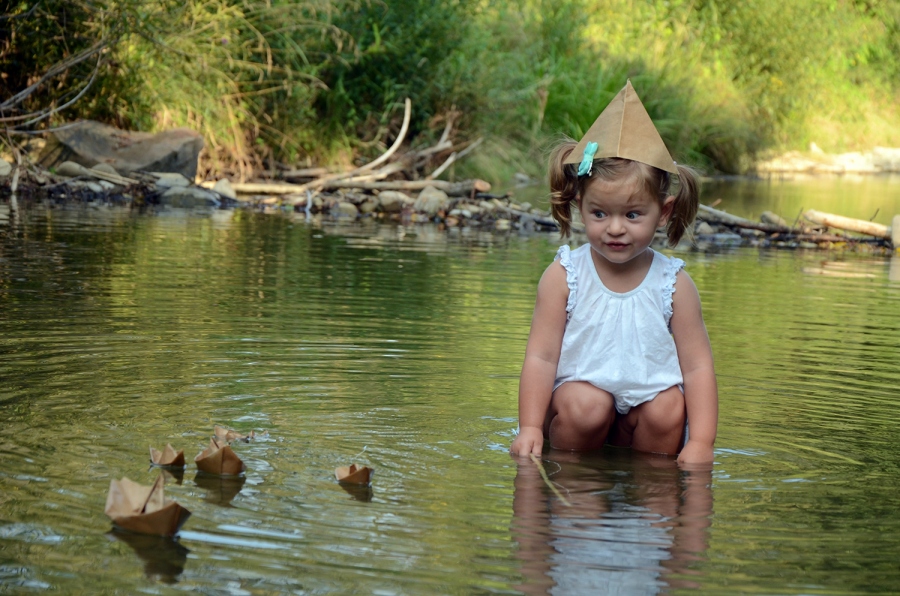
{"x": 400, "y": 348}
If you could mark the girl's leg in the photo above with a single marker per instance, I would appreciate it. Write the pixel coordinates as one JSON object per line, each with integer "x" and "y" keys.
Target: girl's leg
{"x": 656, "y": 426}
{"x": 579, "y": 417}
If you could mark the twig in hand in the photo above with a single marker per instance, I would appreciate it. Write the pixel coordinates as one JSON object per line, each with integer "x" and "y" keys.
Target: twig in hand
{"x": 546, "y": 478}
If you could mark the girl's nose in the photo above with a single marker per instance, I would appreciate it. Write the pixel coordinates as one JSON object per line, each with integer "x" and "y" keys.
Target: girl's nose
{"x": 616, "y": 226}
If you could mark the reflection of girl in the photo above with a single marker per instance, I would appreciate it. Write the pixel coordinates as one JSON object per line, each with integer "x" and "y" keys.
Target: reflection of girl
{"x": 618, "y": 350}
{"x": 623, "y": 533}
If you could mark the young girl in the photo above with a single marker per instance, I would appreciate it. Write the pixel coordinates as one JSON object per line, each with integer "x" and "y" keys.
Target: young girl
{"x": 618, "y": 351}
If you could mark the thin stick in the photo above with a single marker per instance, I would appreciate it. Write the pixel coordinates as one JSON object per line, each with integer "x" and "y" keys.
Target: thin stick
{"x": 324, "y": 180}
{"x": 453, "y": 157}
{"x": 546, "y": 478}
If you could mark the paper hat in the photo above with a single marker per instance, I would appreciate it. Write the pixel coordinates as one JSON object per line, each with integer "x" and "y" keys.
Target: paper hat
{"x": 624, "y": 129}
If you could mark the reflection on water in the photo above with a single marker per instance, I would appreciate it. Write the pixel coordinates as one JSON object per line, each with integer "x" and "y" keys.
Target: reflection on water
{"x": 632, "y": 526}
{"x": 119, "y": 331}
{"x": 219, "y": 489}
{"x": 163, "y": 557}
{"x": 171, "y": 475}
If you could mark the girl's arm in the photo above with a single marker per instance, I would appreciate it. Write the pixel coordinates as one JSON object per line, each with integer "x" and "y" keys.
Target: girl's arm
{"x": 541, "y": 357}
{"x": 701, "y": 397}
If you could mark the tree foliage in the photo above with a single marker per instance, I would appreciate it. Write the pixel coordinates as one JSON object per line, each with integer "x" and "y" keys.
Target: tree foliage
{"x": 322, "y": 80}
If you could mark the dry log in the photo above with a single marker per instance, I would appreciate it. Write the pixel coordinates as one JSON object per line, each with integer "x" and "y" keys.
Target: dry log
{"x": 283, "y": 188}
{"x": 305, "y": 173}
{"x": 715, "y": 216}
{"x": 466, "y": 187}
{"x": 847, "y": 223}
{"x": 454, "y": 157}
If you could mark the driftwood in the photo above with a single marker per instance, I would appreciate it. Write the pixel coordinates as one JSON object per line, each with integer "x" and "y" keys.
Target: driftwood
{"x": 305, "y": 173}
{"x": 463, "y": 188}
{"x": 453, "y": 157}
{"x": 325, "y": 180}
{"x": 451, "y": 188}
{"x": 715, "y": 216}
{"x": 847, "y": 223}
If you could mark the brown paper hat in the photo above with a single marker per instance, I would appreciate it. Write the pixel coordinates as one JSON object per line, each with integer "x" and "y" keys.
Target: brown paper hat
{"x": 624, "y": 129}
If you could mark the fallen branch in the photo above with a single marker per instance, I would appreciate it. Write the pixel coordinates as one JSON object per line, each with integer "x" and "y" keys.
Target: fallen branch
{"x": 305, "y": 173}
{"x": 465, "y": 187}
{"x": 56, "y": 69}
{"x": 715, "y": 216}
{"x": 454, "y": 157}
{"x": 847, "y": 223}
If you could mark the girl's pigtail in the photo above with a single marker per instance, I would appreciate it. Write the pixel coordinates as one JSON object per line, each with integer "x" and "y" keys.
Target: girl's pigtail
{"x": 563, "y": 186}
{"x": 687, "y": 201}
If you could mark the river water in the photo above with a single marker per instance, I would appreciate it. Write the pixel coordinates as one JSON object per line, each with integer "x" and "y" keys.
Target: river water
{"x": 399, "y": 348}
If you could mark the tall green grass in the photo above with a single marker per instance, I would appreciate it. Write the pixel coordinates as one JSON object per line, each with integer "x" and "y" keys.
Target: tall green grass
{"x": 322, "y": 81}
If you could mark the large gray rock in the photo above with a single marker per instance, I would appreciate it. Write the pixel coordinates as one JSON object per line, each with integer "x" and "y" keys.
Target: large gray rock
{"x": 224, "y": 188}
{"x": 188, "y": 197}
{"x": 431, "y": 200}
{"x": 89, "y": 143}
{"x": 393, "y": 201}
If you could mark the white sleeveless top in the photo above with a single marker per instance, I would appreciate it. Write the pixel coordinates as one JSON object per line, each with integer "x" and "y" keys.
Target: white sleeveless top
{"x": 620, "y": 343}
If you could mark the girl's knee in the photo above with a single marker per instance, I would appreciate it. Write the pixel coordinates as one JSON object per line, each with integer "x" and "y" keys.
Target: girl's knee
{"x": 665, "y": 412}
{"x": 583, "y": 404}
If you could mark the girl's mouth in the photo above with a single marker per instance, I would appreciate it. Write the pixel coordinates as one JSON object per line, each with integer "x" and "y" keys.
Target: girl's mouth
{"x": 616, "y": 245}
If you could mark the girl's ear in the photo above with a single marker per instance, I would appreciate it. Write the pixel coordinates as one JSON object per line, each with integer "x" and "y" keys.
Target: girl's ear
{"x": 667, "y": 207}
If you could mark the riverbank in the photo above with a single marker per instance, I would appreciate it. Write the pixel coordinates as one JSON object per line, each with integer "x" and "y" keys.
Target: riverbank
{"x": 465, "y": 205}
{"x": 714, "y": 230}
{"x": 815, "y": 162}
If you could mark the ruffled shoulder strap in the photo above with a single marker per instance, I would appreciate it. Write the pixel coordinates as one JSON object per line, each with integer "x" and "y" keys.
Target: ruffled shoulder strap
{"x": 670, "y": 272}
{"x": 564, "y": 254}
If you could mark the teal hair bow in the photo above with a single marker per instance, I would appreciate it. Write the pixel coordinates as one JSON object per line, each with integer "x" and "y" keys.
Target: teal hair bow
{"x": 587, "y": 162}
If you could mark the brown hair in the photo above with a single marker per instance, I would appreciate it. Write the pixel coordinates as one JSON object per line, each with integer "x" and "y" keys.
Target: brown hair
{"x": 567, "y": 187}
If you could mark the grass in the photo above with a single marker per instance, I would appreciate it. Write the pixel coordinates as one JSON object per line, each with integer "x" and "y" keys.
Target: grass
{"x": 320, "y": 81}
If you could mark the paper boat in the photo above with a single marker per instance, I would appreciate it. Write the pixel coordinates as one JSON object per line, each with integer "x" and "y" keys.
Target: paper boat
{"x": 144, "y": 509}
{"x": 168, "y": 457}
{"x": 224, "y": 434}
{"x": 354, "y": 474}
{"x": 218, "y": 458}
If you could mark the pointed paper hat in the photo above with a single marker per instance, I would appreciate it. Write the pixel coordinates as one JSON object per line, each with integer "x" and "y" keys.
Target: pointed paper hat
{"x": 624, "y": 129}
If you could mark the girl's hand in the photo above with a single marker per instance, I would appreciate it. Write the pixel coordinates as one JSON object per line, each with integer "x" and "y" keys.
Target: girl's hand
{"x": 530, "y": 440}
{"x": 696, "y": 452}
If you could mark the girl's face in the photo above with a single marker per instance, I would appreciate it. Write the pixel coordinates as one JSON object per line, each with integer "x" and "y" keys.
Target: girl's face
{"x": 620, "y": 218}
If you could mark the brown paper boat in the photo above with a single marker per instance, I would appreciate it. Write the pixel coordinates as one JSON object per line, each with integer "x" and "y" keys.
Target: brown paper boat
{"x": 225, "y": 434}
{"x": 144, "y": 509}
{"x": 218, "y": 458}
{"x": 354, "y": 474}
{"x": 168, "y": 457}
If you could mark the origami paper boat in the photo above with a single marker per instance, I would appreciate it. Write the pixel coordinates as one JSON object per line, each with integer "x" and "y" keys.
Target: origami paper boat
{"x": 225, "y": 434}
{"x": 354, "y": 474}
{"x": 168, "y": 457}
{"x": 144, "y": 509}
{"x": 218, "y": 458}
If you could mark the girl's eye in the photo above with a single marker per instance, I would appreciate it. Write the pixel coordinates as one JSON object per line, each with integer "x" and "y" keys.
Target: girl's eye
{"x": 632, "y": 215}
{"x": 599, "y": 214}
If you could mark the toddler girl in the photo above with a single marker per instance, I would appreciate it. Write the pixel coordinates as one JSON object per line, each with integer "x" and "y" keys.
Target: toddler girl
{"x": 618, "y": 351}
